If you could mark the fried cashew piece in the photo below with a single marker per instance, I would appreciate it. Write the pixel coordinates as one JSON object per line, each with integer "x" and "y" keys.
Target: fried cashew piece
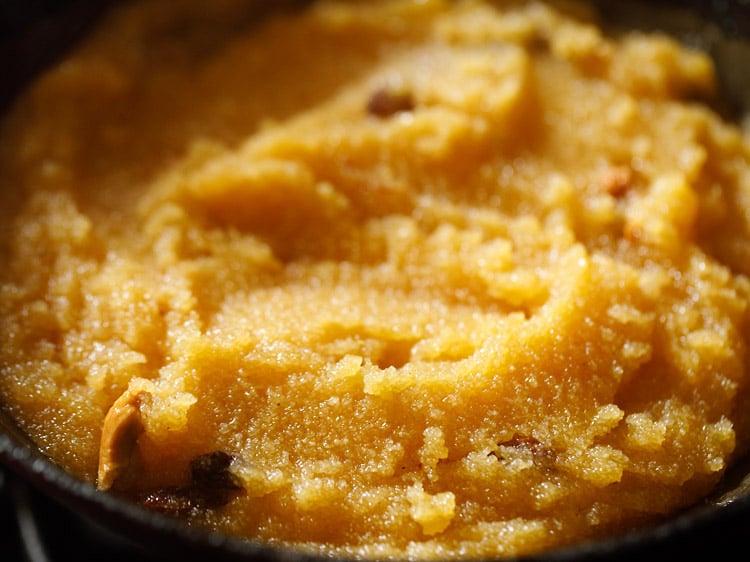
{"x": 120, "y": 431}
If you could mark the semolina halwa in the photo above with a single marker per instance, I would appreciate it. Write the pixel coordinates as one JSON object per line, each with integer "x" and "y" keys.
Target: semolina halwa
{"x": 412, "y": 279}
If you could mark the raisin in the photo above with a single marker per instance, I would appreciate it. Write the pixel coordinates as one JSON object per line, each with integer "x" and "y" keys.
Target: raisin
{"x": 385, "y": 102}
{"x": 212, "y": 471}
{"x": 170, "y": 501}
{"x": 211, "y": 487}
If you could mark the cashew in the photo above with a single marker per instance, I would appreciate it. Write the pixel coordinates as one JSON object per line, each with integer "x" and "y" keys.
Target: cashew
{"x": 120, "y": 431}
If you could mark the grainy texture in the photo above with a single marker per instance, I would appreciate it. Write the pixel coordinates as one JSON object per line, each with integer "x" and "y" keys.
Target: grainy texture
{"x": 504, "y": 311}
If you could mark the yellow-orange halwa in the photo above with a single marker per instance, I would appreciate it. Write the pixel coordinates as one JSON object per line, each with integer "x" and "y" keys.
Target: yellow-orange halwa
{"x": 382, "y": 279}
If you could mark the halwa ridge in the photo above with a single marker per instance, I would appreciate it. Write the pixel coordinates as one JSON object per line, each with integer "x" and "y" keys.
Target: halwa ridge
{"x": 410, "y": 279}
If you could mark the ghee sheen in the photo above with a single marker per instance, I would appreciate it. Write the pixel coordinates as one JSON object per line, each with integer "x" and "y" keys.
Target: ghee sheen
{"x": 414, "y": 279}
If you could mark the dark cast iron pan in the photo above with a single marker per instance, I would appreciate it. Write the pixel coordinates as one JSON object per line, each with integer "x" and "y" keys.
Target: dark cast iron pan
{"x": 35, "y": 33}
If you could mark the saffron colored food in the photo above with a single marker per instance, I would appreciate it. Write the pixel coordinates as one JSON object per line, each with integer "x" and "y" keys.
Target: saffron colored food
{"x": 423, "y": 279}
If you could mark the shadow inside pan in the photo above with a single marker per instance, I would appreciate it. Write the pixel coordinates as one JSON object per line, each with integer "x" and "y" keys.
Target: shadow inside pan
{"x": 710, "y": 529}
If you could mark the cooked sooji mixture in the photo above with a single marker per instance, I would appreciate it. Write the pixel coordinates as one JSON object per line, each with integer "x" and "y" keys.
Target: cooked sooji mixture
{"x": 407, "y": 279}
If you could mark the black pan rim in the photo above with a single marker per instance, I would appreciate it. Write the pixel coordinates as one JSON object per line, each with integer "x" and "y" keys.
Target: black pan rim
{"x": 158, "y": 531}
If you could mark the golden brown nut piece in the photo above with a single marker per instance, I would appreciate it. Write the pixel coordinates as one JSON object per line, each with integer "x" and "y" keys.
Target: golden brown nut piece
{"x": 120, "y": 431}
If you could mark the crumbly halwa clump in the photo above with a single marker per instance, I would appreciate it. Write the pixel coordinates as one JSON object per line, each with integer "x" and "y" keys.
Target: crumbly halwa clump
{"x": 383, "y": 279}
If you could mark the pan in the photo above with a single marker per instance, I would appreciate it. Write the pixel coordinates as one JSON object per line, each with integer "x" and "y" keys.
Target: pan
{"x": 35, "y": 34}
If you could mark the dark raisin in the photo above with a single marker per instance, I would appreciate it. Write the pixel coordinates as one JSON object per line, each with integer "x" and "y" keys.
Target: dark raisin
{"x": 207, "y": 498}
{"x": 211, "y": 487}
{"x": 171, "y": 501}
{"x": 212, "y": 471}
{"x": 385, "y": 102}
{"x": 538, "y": 43}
